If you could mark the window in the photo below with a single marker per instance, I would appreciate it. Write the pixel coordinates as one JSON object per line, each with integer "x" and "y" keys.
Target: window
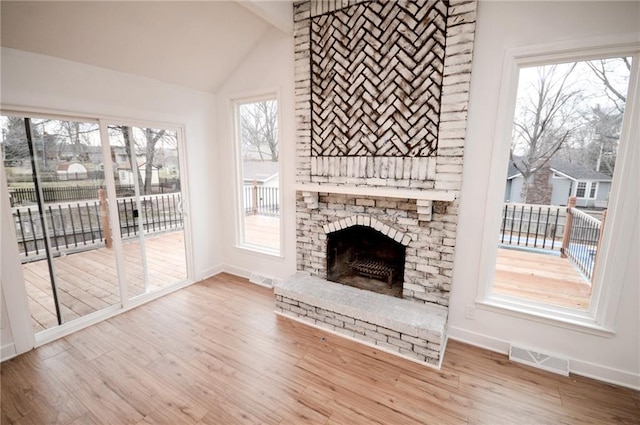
{"x": 259, "y": 174}
{"x": 570, "y": 111}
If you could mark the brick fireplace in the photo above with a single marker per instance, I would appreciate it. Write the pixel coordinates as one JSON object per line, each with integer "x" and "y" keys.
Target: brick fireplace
{"x": 381, "y": 103}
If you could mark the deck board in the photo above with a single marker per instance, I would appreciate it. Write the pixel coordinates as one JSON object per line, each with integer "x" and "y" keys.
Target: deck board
{"x": 262, "y": 230}
{"x": 88, "y": 281}
{"x": 540, "y": 277}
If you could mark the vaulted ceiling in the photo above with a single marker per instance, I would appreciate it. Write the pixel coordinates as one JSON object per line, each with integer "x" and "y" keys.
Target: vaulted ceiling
{"x": 193, "y": 44}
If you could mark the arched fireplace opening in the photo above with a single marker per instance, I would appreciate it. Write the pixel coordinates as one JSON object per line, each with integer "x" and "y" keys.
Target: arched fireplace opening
{"x": 361, "y": 256}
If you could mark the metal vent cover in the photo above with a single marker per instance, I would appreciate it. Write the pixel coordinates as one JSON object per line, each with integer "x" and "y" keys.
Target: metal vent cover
{"x": 539, "y": 360}
{"x": 261, "y": 280}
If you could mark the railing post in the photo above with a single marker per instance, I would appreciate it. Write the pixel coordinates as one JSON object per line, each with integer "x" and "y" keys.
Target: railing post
{"x": 567, "y": 227}
{"x": 104, "y": 217}
{"x": 255, "y": 197}
{"x": 599, "y": 244}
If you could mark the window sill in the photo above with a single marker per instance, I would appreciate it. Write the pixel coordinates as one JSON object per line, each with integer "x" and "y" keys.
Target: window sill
{"x": 260, "y": 250}
{"x": 575, "y": 320}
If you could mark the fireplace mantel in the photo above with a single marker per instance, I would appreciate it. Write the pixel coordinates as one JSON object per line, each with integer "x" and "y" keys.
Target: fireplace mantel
{"x": 383, "y": 192}
{"x": 424, "y": 198}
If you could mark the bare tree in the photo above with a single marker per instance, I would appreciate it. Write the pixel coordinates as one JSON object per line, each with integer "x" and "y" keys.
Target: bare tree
{"x": 603, "y": 71}
{"x": 145, "y": 147}
{"x": 127, "y": 135}
{"x": 14, "y": 140}
{"x": 259, "y": 130}
{"x": 546, "y": 118}
{"x": 152, "y": 137}
{"x": 15, "y": 149}
{"x": 75, "y": 140}
{"x": 608, "y": 123}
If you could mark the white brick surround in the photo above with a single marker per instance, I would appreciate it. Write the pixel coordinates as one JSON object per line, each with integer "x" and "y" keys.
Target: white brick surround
{"x": 425, "y": 224}
{"x": 429, "y": 245}
{"x": 368, "y": 221}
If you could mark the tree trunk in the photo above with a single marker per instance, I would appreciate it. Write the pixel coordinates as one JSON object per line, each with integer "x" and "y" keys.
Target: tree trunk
{"x": 127, "y": 135}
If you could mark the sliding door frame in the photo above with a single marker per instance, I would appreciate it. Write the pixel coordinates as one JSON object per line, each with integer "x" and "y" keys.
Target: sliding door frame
{"x": 13, "y": 288}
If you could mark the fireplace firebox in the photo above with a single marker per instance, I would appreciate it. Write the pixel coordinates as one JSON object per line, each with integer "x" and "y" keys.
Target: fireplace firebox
{"x": 362, "y": 257}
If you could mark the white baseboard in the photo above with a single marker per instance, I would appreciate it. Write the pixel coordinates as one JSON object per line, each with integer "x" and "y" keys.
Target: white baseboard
{"x": 236, "y": 271}
{"x": 478, "y": 340}
{"x": 264, "y": 281}
{"x": 606, "y": 374}
{"x": 7, "y": 352}
{"x": 578, "y": 367}
{"x": 210, "y": 272}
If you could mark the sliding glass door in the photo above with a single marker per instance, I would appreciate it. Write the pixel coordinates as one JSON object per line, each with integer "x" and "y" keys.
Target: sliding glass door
{"x": 56, "y": 185}
{"x": 77, "y": 259}
{"x": 150, "y": 206}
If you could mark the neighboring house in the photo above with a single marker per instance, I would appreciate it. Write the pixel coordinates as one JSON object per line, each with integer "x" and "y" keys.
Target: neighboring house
{"x": 565, "y": 179}
{"x": 126, "y": 177}
{"x": 263, "y": 173}
{"x": 119, "y": 154}
{"x": 71, "y": 171}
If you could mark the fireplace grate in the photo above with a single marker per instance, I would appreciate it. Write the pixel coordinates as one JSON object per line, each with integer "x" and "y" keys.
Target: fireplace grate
{"x": 373, "y": 268}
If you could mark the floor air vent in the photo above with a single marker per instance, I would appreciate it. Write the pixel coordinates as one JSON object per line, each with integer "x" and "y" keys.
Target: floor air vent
{"x": 261, "y": 280}
{"x": 539, "y": 360}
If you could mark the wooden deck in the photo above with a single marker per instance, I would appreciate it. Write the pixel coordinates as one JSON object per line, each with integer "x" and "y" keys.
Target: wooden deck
{"x": 87, "y": 281}
{"x": 262, "y": 230}
{"x": 215, "y": 353}
{"x": 540, "y": 277}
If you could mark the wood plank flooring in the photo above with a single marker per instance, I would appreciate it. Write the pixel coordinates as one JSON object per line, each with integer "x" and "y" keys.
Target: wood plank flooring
{"x": 540, "y": 277}
{"x": 215, "y": 353}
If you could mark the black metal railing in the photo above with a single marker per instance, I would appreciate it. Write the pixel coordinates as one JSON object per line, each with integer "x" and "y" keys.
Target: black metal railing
{"x": 581, "y": 242}
{"x": 532, "y": 226}
{"x": 76, "y": 226}
{"x": 261, "y": 200}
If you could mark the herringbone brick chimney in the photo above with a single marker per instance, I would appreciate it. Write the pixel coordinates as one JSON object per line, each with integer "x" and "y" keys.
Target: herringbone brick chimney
{"x": 381, "y": 102}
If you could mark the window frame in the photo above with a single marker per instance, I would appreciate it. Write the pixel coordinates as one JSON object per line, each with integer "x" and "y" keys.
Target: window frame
{"x": 581, "y": 186}
{"x": 609, "y": 275}
{"x": 235, "y": 103}
{"x": 593, "y": 190}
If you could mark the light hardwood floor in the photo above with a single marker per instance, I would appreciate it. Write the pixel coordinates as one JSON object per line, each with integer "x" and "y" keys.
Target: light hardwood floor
{"x": 215, "y": 353}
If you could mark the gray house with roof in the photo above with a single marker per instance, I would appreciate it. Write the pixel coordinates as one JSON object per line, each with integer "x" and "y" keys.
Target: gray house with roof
{"x": 563, "y": 179}
{"x": 262, "y": 173}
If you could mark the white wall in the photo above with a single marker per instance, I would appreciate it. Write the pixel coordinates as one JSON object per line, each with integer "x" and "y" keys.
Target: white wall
{"x": 42, "y": 82}
{"x": 7, "y": 348}
{"x": 267, "y": 68}
{"x": 38, "y": 81}
{"x": 16, "y": 335}
{"x": 504, "y": 25}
